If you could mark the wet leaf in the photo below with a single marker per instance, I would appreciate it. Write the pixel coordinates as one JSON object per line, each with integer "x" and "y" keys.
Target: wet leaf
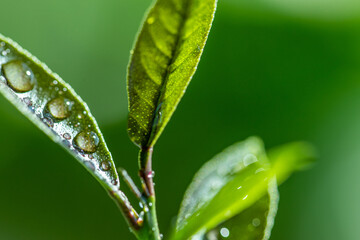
{"x": 254, "y": 223}
{"x": 235, "y": 165}
{"x": 165, "y": 58}
{"x": 234, "y": 181}
{"x": 54, "y": 107}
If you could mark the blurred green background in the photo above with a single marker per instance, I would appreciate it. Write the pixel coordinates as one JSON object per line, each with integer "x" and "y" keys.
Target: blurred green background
{"x": 284, "y": 70}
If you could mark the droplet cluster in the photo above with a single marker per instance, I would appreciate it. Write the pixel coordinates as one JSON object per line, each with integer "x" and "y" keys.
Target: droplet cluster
{"x": 57, "y": 108}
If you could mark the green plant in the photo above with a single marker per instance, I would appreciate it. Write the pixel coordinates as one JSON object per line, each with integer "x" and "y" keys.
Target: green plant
{"x": 237, "y": 187}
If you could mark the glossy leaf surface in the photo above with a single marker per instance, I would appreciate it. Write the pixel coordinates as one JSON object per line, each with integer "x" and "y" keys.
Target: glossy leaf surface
{"x": 165, "y": 58}
{"x": 234, "y": 181}
{"x": 54, "y": 107}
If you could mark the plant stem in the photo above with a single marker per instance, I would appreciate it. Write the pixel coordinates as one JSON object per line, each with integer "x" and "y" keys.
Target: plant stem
{"x": 146, "y": 174}
{"x": 128, "y": 180}
{"x": 129, "y": 213}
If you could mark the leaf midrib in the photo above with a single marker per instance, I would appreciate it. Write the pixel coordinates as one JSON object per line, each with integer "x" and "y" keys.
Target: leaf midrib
{"x": 168, "y": 72}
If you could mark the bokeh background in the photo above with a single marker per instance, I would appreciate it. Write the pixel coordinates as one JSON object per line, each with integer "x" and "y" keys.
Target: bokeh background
{"x": 284, "y": 70}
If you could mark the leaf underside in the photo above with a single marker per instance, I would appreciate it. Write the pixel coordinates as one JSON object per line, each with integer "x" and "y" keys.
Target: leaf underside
{"x": 54, "y": 107}
{"x": 164, "y": 59}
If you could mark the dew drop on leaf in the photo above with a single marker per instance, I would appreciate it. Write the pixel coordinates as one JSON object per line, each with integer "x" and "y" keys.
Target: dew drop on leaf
{"x": 18, "y": 76}
{"x": 256, "y": 222}
{"x": 5, "y": 52}
{"x": 114, "y": 182}
{"x": 67, "y": 136}
{"x": 105, "y": 166}
{"x": 58, "y": 108}
{"x": 87, "y": 141}
{"x": 48, "y": 121}
{"x": 27, "y": 101}
{"x": 224, "y": 232}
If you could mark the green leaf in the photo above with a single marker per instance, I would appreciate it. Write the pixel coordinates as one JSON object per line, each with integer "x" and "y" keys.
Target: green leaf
{"x": 237, "y": 165}
{"x": 291, "y": 157}
{"x": 254, "y": 223}
{"x": 165, "y": 58}
{"x": 54, "y": 107}
{"x": 233, "y": 181}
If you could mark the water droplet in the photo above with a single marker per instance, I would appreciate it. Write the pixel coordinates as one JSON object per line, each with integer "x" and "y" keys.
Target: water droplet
{"x": 48, "y": 121}
{"x": 256, "y": 222}
{"x": 79, "y": 116}
{"x": 27, "y": 101}
{"x": 146, "y": 209}
{"x": 114, "y": 182}
{"x": 245, "y": 197}
{"x": 151, "y": 174}
{"x": 69, "y": 103}
{"x": 141, "y": 205}
{"x": 59, "y": 108}
{"x": 239, "y": 187}
{"x": 150, "y": 20}
{"x": 224, "y": 232}
{"x": 249, "y": 159}
{"x": 105, "y": 166}
{"x": 90, "y": 165}
{"x": 140, "y": 219}
{"x": 161, "y": 236}
{"x": 55, "y": 82}
{"x": 67, "y": 136}
{"x": 90, "y": 156}
{"x": 150, "y": 204}
{"x": 4, "y": 53}
{"x": 87, "y": 141}
{"x": 16, "y": 74}
{"x": 2, "y": 44}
